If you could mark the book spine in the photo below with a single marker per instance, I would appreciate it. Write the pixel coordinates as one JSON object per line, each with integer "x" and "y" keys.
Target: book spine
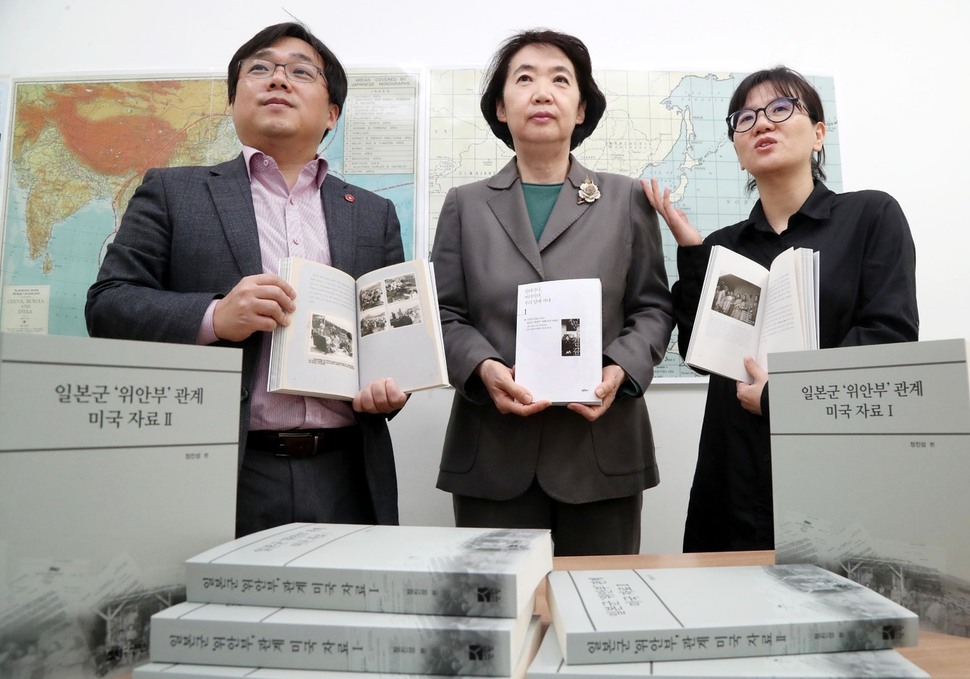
{"x": 412, "y": 592}
{"x": 433, "y": 649}
{"x": 584, "y": 648}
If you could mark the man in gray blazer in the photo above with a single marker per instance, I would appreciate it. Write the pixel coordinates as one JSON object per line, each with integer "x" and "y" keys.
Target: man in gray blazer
{"x": 196, "y": 259}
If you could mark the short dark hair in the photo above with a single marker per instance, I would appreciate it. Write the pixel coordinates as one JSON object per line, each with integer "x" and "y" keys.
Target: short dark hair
{"x": 333, "y": 72}
{"x": 575, "y": 51}
{"x": 788, "y": 83}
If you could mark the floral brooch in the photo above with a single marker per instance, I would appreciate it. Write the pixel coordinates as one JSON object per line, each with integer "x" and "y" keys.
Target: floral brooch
{"x": 588, "y": 192}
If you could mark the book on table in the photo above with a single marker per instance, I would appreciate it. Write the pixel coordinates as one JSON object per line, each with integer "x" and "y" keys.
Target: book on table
{"x": 312, "y": 639}
{"x": 559, "y": 340}
{"x": 694, "y": 613}
{"x": 748, "y": 310}
{"x": 488, "y": 572}
{"x": 156, "y": 670}
{"x": 346, "y": 333}
{"x": 549, "y": 664}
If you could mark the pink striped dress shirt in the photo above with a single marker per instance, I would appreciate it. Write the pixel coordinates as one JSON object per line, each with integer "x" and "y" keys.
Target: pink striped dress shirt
{"x": 290, "y": 224}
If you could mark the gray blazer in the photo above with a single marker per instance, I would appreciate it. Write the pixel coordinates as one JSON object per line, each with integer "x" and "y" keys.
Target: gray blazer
{"x": 484, "y": 248}
{"x": 189, "y": 235}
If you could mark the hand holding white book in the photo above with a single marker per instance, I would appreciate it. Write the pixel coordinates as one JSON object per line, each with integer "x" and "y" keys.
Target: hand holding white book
{"x": 559, "y": 340}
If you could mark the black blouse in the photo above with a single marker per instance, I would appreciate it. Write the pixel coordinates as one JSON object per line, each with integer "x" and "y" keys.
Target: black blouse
{"x": 867, "y": 292}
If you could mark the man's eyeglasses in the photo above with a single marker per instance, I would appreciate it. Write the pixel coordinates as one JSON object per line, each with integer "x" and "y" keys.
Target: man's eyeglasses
{"x": 777, "y": 111}
{"x": 296, "y": 71}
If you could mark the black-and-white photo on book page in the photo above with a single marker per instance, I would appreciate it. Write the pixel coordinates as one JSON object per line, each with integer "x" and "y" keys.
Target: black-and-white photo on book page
{"x": 345, "y": 334}
{"x": 748, "y": 310}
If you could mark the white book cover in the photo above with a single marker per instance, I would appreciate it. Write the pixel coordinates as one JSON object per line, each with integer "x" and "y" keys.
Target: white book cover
{"x": 182, "y": 671}
{"x": 393, "y": 569}
{"x": 118, "y": 460}
{"x": 887, "y": 664}
{"x": 883, "y": 432}
{"x": 748, "y": 310}
{"x": 346, "y": 333}
{"x": 559, "y": 340}
{"x": 694, "y": 613}
{"x": 302, "y": 638}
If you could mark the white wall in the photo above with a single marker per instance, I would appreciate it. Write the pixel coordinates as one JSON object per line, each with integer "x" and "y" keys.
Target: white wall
{"x": 898, "y": 67}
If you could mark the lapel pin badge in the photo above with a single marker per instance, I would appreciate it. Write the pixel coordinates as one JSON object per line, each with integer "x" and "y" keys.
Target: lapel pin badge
{"x": 588, "y": 192}
{"x": 349, "y": 197}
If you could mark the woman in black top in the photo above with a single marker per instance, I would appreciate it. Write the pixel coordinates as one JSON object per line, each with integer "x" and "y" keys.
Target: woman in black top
{"x": 867, "y": 290}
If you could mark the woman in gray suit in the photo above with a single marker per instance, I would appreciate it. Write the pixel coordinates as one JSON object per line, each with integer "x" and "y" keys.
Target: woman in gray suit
{"x": 510, "y": 461}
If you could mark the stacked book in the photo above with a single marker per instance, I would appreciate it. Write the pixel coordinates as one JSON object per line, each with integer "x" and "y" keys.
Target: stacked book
{"x": 321, "y": 600}
{"x": 744, "y": 621}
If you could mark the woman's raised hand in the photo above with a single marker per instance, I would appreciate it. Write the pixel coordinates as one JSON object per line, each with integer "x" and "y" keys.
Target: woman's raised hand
{"x": 683, "y": 231}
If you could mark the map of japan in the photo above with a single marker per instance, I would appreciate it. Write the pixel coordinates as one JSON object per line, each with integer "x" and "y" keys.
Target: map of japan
{"x": 666, "y": 125}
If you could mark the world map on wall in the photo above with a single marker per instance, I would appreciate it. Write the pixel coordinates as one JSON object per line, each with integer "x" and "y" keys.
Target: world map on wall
{"x": 665, "y": 125}
{"x": 79, "y": 151}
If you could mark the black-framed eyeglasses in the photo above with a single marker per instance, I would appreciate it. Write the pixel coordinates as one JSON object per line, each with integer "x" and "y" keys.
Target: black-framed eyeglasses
{"x": 297, "y": 71}
{"x": 776, "y": 111}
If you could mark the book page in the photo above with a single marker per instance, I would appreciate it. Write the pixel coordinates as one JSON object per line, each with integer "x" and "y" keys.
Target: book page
{"x": 805, "y": 266}
{"x": 729, "y": 315}
{"x": 400, "y": 330}
{"x": 559, "y": 340}
{"x": 784, "y": 324}
{"x": 316, "y": 354}
{"x": 810, "y": 276}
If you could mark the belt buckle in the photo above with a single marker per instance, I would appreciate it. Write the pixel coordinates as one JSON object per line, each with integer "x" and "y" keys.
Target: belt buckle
{"x": 297, "y": 444}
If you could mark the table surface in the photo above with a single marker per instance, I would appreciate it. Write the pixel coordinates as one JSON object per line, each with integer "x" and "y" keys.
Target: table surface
{"x": 942, "y": 655}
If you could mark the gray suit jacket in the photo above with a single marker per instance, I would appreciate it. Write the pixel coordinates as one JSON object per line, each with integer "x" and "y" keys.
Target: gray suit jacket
{"x": 484, "y": 248}
{"x": 189, "y": 235}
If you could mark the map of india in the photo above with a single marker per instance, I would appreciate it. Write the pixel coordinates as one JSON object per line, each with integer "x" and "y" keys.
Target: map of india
{"x": 79, "y": 151}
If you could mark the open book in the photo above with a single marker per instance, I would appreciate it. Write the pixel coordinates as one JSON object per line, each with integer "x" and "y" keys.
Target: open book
{"x": 346, "y": 333}
{"x": 747, "y": 310}
{"x": 559, "y": 340}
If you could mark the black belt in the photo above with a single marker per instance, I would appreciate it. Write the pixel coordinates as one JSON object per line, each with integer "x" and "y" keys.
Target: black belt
{"x": 298, "y": 443}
